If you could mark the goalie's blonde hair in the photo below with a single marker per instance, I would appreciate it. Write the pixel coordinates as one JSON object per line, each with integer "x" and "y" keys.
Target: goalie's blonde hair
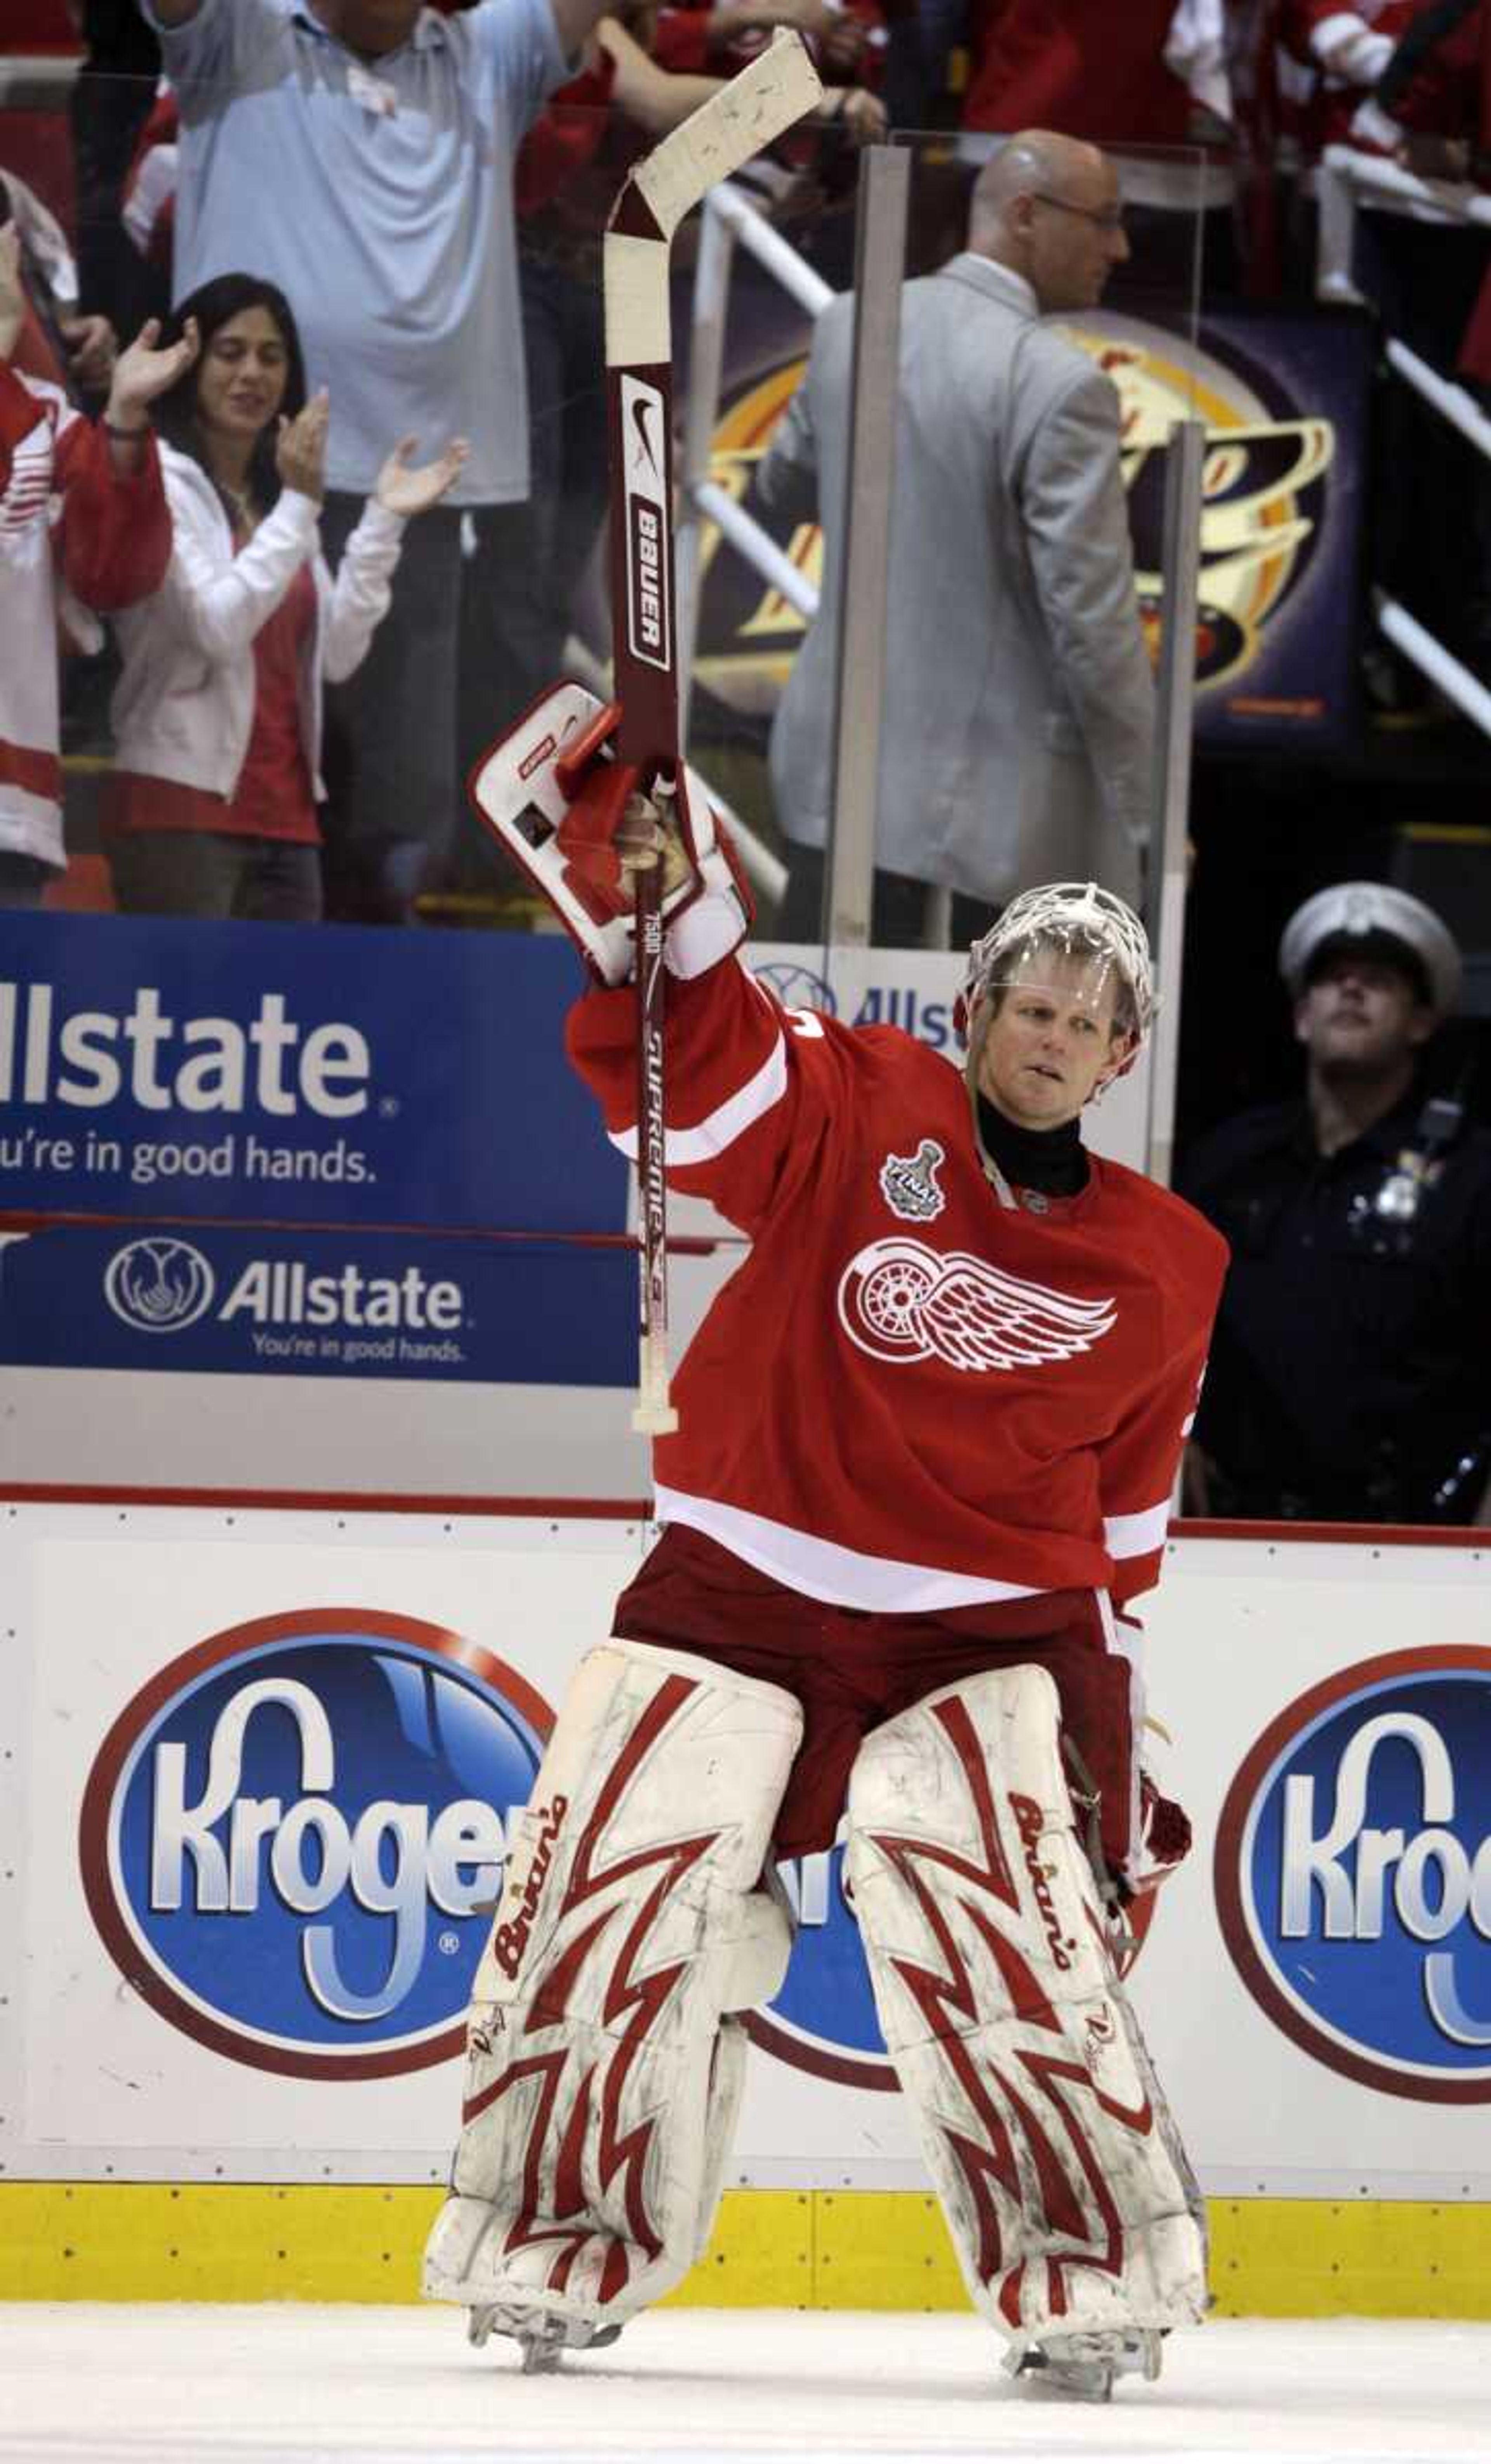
{"x": 1079, "y": 920}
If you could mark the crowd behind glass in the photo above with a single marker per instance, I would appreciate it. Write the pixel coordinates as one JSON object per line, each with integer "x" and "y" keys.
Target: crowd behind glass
{"x": 303, "y": 446}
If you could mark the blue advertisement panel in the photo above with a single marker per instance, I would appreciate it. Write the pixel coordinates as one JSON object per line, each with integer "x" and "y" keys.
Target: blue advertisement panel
{"x": 302, "y": 1074}
{"x": 320, "y": 1304}
{"x": 208, "y": 1090}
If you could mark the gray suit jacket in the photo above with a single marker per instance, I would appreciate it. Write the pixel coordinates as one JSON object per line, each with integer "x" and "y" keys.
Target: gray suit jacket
{"x": 1018, "y": 718}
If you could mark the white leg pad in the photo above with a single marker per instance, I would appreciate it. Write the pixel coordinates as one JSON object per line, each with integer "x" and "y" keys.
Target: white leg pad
{"x": 1063, "y": 2178}
{"x": 601, "y": 2087}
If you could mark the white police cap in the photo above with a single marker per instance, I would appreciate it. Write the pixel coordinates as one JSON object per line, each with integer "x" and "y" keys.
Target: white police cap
{"x": 1358, "y": 910}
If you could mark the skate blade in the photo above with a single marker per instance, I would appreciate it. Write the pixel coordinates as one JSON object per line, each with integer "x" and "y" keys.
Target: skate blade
{"x": 1066, "y": 2383}
{"x": 542, "y": 2337}
{"x": 1083, "y": 2368}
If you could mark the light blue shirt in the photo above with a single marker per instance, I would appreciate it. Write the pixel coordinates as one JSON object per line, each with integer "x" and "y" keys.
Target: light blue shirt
{"x": 379, "y": 196}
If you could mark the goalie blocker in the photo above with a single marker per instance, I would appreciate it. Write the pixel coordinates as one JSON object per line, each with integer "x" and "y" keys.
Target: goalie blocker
{"x": 558, "y": 800}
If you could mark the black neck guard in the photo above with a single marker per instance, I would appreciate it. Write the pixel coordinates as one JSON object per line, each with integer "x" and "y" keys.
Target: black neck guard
{"x": 1053, "y": 1162}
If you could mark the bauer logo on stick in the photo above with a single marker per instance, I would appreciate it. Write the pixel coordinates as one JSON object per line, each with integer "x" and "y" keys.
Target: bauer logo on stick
{"x": 291, "y": 1837}
{"x": 644, "y": 430}
{"x": 1354, "y": 1873}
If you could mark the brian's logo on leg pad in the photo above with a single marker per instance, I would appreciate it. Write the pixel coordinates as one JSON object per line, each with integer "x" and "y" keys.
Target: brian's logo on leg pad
{"x": 511, "y": 1938}
{"x": 1032, "y": 1822}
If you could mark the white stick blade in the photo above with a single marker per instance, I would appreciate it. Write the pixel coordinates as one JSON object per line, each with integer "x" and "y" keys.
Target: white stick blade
{"x": 748, "y": 113}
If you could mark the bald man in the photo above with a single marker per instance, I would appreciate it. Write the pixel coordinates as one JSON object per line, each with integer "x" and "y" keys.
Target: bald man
{"x": 1018, "y": 718}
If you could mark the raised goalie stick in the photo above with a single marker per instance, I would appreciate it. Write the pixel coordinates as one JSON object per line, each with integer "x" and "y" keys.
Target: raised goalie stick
{"x": 556, "y": 790}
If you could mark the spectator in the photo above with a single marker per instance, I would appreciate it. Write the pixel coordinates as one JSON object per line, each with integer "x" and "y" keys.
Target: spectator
{"x": 722, "y": 35}
{"x": 1348, "y": 1380}
{"x": 368, "y": 145}
{"x": 1139, "y": 74}
{"x": 114, "y": 544}
{"x": 1438, "y": 87}
{"x": 1017, "y": 714}
{"x": 217, "y": 715}
{"x": 57, "y": 342}
{"x": 148, "y": 203}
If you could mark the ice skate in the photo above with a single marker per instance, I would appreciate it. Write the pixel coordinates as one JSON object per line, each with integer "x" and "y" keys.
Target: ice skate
{"x": 1081, "y": 2368}
{"x": 542, "y": 2336}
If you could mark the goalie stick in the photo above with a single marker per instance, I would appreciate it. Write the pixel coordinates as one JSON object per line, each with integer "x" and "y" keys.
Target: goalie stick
{"x": 746, "y": 113}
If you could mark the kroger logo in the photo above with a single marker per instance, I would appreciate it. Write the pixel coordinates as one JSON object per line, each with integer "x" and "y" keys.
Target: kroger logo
{"x": 291, "y": 1840}
{"x": 1354, "y": 1873}
{"x": 159, "y": 1285}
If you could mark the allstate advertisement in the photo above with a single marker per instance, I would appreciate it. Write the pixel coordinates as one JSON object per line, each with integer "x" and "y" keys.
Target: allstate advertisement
{"x": 319, "y": 1305}
{"x": 151, "y": 1066}
{"x": 225, "y": 1085}
{"x": 264, "y": 1811}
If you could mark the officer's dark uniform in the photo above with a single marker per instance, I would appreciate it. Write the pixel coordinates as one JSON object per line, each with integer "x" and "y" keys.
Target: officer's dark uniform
{"x": 1350, "y": 1369}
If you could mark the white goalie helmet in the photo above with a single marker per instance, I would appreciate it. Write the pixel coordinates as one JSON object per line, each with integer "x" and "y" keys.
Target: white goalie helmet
{"x": 1076, "y": 920}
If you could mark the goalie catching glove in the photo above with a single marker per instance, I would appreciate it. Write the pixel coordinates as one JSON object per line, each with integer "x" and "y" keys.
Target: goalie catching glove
{"x": 580, "y": 822}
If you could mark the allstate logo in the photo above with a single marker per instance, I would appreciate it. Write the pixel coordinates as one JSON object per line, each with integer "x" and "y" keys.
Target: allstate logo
{"x": 292, "y": 1838}
{"x": 797, "y": 987}
{"x": 1354, "y": 1873}
{"x": 159, "y": 1285}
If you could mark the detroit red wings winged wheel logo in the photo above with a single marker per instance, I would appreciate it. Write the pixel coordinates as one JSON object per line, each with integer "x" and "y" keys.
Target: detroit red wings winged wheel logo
{"x": 901, "y": 1301}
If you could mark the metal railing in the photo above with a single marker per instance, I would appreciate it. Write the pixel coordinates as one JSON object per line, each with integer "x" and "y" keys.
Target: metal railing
{"x": 1347, "y": 179}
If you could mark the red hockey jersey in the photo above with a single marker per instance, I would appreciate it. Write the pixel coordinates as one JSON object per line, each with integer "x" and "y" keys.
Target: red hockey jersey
{"x": 909, "y": 1396}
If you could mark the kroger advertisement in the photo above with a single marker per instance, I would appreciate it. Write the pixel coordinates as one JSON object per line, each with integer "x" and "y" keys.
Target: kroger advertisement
{"x": 268, "y": 1788}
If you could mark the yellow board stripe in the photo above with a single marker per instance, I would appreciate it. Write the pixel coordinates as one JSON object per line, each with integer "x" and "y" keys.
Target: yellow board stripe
{"x": 819, "y": 2249}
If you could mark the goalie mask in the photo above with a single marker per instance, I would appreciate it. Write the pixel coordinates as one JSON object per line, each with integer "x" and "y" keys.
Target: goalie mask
{"x": 1083, "y": 946}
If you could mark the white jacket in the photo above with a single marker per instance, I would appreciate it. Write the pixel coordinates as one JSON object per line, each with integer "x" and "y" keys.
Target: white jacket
{"x": 183, "y": 704}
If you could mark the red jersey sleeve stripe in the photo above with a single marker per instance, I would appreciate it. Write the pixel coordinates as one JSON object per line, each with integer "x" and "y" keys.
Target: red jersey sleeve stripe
{"x": 729, "y": 1121}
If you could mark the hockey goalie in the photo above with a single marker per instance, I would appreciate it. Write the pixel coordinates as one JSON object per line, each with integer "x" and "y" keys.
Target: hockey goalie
{"x": 928, "y": 1435}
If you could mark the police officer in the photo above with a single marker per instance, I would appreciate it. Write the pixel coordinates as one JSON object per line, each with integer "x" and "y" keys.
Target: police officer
{"x": 1351, "y": 1370}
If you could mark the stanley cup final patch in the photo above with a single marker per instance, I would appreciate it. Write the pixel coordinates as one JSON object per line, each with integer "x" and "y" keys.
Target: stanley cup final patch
{"x": 909, "y": 1182}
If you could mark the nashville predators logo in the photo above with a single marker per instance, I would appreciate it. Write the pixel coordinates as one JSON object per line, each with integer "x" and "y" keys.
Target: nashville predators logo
{"x": 1262, "y": 502}
{"x": 901, "y": 1301}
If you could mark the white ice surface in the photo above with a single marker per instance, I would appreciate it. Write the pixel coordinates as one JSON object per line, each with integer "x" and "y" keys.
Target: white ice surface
{"x": 84, "y": 2383}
